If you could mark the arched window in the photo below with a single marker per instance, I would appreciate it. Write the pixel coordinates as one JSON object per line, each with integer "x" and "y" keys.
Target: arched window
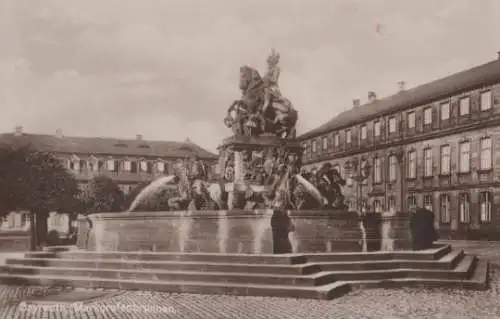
{"x": 392, "y": 203}
{"x": 444, "y": 208}
{"x": 485, "y": 204}
{"x": 377, "y": 206}
{"x": 464, "y": 207}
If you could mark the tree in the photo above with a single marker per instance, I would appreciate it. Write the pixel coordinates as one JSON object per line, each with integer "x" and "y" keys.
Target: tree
{"x": 34, "y": 181}
{"x": 103, "y": 195}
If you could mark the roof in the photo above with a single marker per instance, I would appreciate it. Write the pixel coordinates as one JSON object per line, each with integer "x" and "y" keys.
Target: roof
{"x": 106, "y": 146}
{"x": 485, "y": 74}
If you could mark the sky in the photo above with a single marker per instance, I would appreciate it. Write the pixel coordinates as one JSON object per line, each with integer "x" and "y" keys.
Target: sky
{"x": 168, "y": 69}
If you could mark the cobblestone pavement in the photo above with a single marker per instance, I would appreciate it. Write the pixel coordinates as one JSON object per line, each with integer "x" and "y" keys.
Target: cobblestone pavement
{"x": 375, "y": 303}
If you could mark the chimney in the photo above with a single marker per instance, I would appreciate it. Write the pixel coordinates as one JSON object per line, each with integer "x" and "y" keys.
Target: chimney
{"x": 498, "y": 55}
{"x": 187, "y": 140}
{"x": 18, "y": 131}
{"x": 401, "y": 85}
{"x": 138, "y": 137}
{"x": 356, "y": 103}
{"x": 59, "y": 133}
{"x": 372, "y": 97}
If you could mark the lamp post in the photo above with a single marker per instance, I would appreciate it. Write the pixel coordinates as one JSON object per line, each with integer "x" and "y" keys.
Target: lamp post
{"x": 358, "y": 173}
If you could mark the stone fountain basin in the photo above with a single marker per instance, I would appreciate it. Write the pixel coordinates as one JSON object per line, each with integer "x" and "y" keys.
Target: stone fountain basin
{"x": 261, "y": 231}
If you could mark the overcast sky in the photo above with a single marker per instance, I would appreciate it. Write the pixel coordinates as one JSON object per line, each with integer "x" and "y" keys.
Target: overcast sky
{"x": 169, "y": 69}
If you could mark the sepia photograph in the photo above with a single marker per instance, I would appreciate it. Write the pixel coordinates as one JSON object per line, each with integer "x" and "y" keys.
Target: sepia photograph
{"x": 233, "y": 159}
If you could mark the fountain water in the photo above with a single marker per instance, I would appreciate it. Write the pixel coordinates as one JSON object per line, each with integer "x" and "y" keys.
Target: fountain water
{"x": 151, "y": 189}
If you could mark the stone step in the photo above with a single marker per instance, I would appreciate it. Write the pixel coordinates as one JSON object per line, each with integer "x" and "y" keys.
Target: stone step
{"x": 315, "y": 279}
{"x": 434, "y": 253}
{"x": 327, "y": 291}
{"x": 463, "y": 271}
{"x": 282, "y": 259}
{"x": 292, "y": 269}
{"x": 478, "y": 281}
{"x": 449, "y": 261}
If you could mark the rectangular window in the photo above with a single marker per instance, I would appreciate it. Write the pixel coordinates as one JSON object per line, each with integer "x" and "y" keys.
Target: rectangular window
{"x": 486, "y": 159}
{"x": 348, "y": 137}
{"x": 445, "y": 111}
{"x": 336, "y": 140}
{"x": 464, "y": 159}
{"x": 160, "y": 166}
{"x": 111, "y": 165}
{"x": 428, "y": 116}
{"x": 364, "y": 133}
{"x": 412, "y": 164}
{"x": 411, "y": 202}
{"x": 377, "y": 170}
{"x": 392, "y": 204}
{"x": 144, "y": 166}
{"x": 464, "y": 206}
{"x": 392, "y": 125}
{"x": 127, "y": 166}
{"x": 392, "y": 168}
{"x": 445, "y": 209}
{"x": 445, "y": 159}
{"x": 485, "y": 100}
{"x": 464, "y": 106}
{"x": 411, "y": 120}
{"x": 428, "y": 202}
{"x": 376, "y": 128}
{"x": 428, "y": 162}
{"x": 314, "y": 146}
{"x": 324, "y": 143}
{"x": 485, "y": 203}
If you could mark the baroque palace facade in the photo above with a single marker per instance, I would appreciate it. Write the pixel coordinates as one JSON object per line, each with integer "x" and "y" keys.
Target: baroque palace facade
{"x": 127, "y": 161}
{"x": 435, "y": 146}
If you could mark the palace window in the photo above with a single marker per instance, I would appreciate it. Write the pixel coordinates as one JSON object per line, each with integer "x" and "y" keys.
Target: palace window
{"x": 392, "y": 168}
{"x": 412, "y": 164}
{"x": 111, "y": 165}
{"x": 364, "y": 133}
{"x": 428, "y": 202}
{"x": 444, "y": 208}
{"x": 348, "y": 136}
{"x": 392, "y": 125}
{"x": 464, "y": 106}
{"x": 391, "y": 203}
{"x": 411, "y": 120}
{"x": 324, "y": 142}
{"x": 376, "y": 128}
{"x": 428, "y": 162}
{"x": 377, "y": 170}
{"x": 485, "y": 204}
{"x": 486, "y": 153}
{"x": 160, "y": 167}
{"x": 445, "y": 159}
{"x": 485, "y": 100}
{"x": 464, "y": 207}
{"x": 464, "y": 159}
{"x": 127, "y": 166}
{"x": 411, "y": 202}
{"x": 445, "y": 111}
{"x": 428, "y": 116}
{"x": 144, "y": 166}
{"x": 336, "y": 139}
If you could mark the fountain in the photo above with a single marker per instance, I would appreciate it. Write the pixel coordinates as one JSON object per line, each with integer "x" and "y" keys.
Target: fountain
{"x": 260, "y": 202}
{"x": 263, "y": 227}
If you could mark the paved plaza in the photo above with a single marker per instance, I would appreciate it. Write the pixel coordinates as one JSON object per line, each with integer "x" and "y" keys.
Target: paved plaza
{"x": 375, "y": 303}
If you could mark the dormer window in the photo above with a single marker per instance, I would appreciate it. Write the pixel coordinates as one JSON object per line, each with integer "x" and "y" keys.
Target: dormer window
{"x": 74, "y": 163}
{"x": 348, "y": 136}
{"x": 485, "y": 100}
{"x": 428, "y": 116}
{"x": 376, "y": 128}
{"x": 392, "y": 124}
{"x": 411, "y": 120}
{"x": 336, "y": 140}
{"x": 364, "y": 133}
{"x": 111, "y": 165}
{"x": 464, "y": 106}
